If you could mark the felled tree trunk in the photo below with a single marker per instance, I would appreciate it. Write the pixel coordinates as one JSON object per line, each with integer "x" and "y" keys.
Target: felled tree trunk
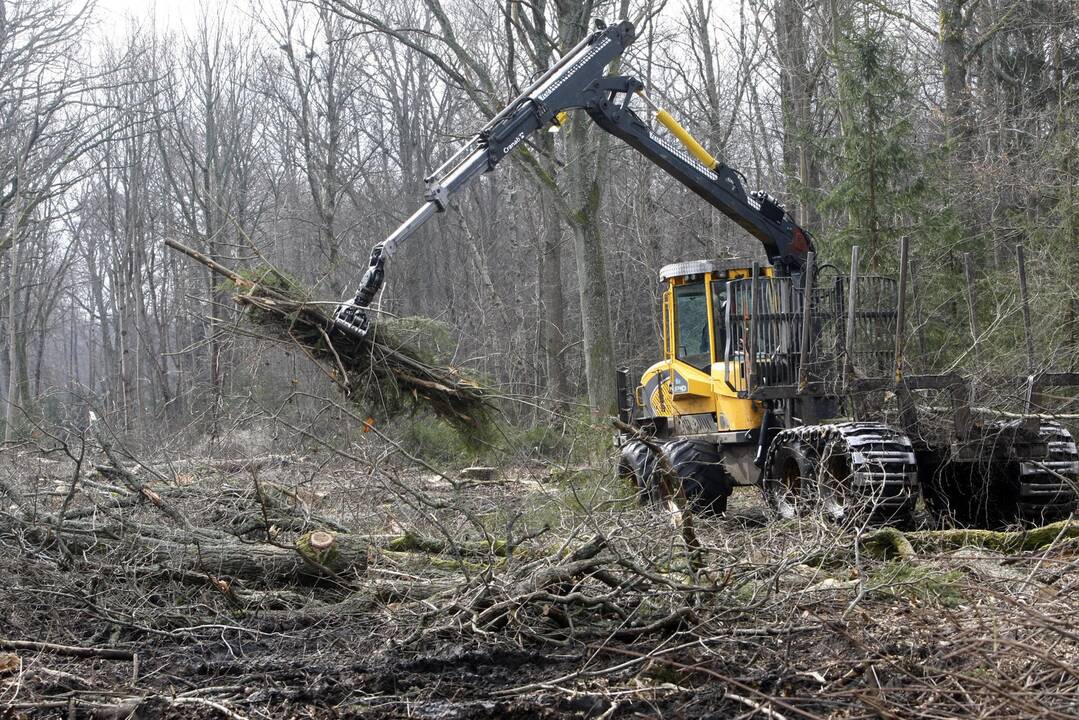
{"x": 331, "y": 555}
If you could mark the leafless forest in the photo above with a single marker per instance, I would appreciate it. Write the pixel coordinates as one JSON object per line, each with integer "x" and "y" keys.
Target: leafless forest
{"x": 195, "y": 520}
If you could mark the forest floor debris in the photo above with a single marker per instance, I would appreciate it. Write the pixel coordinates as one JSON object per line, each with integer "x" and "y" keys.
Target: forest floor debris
{"x": 544, "y": 594}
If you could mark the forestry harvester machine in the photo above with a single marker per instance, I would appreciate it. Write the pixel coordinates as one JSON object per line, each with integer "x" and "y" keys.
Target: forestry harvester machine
{"x": 761, "y": 359}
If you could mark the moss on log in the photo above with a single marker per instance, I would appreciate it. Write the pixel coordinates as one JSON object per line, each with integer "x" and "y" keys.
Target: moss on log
{"x": 412, "y": 542}
{"x": 889, "y": 542}
{"x": 440, "y": 562}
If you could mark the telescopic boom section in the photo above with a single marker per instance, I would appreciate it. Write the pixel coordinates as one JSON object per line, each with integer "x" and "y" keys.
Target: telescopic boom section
{"x": 578, "y": 80}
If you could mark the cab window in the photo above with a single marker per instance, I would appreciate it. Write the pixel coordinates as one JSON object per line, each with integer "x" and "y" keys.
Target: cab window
{"x": 691, "y": 325}
{"x": 719, "y": 310}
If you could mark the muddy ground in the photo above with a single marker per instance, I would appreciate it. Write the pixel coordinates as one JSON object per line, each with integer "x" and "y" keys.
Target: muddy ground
{"x": 541, "y": 592}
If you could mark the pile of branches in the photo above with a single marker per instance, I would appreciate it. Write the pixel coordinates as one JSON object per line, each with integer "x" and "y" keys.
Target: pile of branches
{"x": 383, "y": 366}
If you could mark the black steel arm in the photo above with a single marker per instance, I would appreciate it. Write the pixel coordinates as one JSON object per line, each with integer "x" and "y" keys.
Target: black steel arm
{"x": 578, "y": 81}
{"x": 785, "y": 243}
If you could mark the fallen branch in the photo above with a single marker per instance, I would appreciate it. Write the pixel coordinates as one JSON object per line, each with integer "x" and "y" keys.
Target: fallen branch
{"x": 72, "y": 650}
{"x": 123, "y": 708}
{"x": 229, "y": 465}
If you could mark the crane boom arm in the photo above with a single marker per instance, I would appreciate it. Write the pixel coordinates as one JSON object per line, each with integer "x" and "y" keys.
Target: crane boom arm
{"x": 785, "y": 243}
{"x": 578, "y": 81}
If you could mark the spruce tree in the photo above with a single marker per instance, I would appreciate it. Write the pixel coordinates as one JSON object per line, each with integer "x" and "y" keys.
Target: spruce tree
{"x": 879, "y": 176}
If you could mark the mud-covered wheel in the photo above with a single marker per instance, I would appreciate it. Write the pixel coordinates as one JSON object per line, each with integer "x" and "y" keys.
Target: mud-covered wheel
{"x": 850, "y": 472}
{"x": 700, "y": 467}
{"x": 786, "y": 486}
{"x": 833, "y": 485}
{"x": 697, "y": 464}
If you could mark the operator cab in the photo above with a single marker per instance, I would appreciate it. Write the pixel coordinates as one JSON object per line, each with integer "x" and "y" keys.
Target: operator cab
{"x": 695, "y": 309}
{"x": 700, "y": 386}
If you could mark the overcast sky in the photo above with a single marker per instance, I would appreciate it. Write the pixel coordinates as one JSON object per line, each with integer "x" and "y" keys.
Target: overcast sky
{"x": 113, "y": 14}
{"x": 175, "y": 14}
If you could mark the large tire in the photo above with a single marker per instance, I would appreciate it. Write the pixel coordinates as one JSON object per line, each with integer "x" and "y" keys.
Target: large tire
{"x": 1006, "y": 485}
{"x": 868, "y": 474}
{"x": 1049, "y": 489}
{"x": 637, "y": 463}
{"x": 700, "y": 467}
{"x": 697, "y": 464}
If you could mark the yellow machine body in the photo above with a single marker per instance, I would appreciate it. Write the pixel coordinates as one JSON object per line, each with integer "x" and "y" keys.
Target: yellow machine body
{"x": 693, "y": 387}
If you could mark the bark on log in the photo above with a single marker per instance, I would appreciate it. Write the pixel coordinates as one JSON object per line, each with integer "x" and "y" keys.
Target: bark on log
{"x": 345, "y": 556}
{"x": 72, "y": 650}
{"x": 180, "y": 551}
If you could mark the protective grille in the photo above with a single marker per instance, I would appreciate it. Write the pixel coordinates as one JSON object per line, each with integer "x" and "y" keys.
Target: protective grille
{"x": 763, "y": 334}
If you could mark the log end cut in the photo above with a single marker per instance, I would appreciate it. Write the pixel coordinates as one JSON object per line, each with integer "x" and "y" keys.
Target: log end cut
{"x": 337, "y": 553}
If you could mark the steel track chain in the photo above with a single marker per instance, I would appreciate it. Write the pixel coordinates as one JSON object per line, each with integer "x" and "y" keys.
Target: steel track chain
{"x": 883, "y": 480}
{"x": 1047, "y": 488}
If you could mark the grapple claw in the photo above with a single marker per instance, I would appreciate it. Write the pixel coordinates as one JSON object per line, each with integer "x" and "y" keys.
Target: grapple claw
{"x": 352, "y": 320}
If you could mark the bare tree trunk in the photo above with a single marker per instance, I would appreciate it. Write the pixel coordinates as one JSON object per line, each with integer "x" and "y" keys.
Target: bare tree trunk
{"x": 15, "y": 339}
{"x": 550, "y": 277}
{"x": 953, "y": 51}
{"x": 586, "y": 167}
{"x": 796, "y": 99}
{"x": 591, "y": 271}
{"x": 552, "y": 316}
